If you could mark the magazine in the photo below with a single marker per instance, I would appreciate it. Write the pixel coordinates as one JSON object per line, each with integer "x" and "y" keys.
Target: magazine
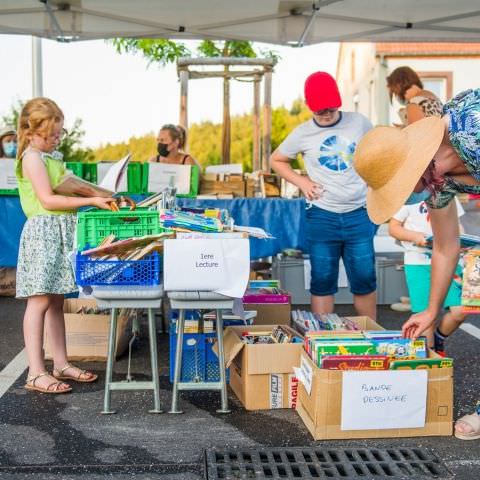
{"x": 71, "y": 185}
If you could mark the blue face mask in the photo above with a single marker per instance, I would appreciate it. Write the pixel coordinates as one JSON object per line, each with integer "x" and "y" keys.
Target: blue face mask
{"x": 10, "y": 149}
{"x": 418, "y": 197}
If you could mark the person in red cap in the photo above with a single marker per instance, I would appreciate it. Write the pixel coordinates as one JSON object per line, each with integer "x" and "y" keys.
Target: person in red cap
{"x": 338, "y": 226}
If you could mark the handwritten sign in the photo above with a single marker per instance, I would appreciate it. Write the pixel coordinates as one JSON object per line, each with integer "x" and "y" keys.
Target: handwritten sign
{"x": 218, "y": 265}
{"x": 382, "y": 400}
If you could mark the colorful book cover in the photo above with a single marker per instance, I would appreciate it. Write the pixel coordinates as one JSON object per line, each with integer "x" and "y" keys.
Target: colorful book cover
{"x": 323, "y": 349}
{"x": 356, "y": 362}
{"x": 401, "y": 347}
{"x": 471, "y": 280}
{"x": 421, "y": 364}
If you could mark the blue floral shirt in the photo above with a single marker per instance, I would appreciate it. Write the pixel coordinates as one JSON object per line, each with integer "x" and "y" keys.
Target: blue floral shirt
{"x": 464, "y": 134}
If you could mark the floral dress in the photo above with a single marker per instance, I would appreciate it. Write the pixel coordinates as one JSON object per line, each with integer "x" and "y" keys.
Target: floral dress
{"x": 47, "y": 239}
{"x": 464, "y": 135}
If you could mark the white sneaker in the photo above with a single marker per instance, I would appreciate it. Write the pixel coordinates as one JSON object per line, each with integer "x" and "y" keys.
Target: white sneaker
{"x": 401, "y": 307}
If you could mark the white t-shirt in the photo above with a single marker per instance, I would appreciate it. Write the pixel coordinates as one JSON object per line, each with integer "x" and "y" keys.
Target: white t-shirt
{"x": 328, "y": 155}
{"x": 416, "y": 218}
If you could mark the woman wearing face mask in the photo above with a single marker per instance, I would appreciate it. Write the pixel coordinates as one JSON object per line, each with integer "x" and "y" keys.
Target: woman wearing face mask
{"x": 405, "y": 85}
{"x": 441, "y": 156}
{"x": 171, "y": 141}
{"x": 8, "y": 143}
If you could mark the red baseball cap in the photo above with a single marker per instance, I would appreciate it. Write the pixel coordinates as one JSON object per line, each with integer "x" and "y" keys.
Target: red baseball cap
{"x": 321, "y": 92}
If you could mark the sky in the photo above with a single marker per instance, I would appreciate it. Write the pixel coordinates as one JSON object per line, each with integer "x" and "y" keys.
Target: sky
{"x": 119, "y": 96}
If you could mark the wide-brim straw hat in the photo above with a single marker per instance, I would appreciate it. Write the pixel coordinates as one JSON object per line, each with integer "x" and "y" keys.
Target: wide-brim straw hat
{"x": 392, "y": 160}
{"x": 4, "y": 131}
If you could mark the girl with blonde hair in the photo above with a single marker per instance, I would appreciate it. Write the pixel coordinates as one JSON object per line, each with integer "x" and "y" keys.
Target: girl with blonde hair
{"x": 44, "y": 272}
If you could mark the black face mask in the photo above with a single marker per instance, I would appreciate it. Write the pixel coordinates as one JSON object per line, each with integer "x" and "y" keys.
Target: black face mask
{"x": 162, "y": 149}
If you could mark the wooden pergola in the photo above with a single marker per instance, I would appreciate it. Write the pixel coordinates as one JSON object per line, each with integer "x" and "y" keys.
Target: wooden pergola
{"x": 260, "y": 69}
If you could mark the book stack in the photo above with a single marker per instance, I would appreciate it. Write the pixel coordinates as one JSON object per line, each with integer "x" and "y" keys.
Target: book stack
{"x": 307, "y": 321}
{"x": 187, "y": 221}
{"x": 369, "y": 350}
{"x": 279, "y": 334}
{"x": 265, "y": 291}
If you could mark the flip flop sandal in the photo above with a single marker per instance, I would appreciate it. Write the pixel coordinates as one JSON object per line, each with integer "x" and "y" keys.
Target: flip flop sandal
{"x": 473, "y": 421}
{"x": 58, "y": 374}
{"x": 30, "y": 385}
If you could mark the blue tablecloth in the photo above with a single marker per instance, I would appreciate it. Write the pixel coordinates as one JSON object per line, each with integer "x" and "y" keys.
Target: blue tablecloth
{"x": 283, "y": 218}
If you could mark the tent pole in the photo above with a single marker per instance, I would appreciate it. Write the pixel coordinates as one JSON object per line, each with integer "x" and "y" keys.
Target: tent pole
{"x": 37, "y": 67}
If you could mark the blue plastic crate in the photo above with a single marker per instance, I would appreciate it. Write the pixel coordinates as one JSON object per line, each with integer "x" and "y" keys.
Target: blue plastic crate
{"x": 199, "y": 362}
{"x": 91, "y": 271}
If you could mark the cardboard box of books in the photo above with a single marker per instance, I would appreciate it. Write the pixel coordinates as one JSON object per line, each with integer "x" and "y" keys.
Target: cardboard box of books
{"x": 87, "y": 332}
{"x": 273, "y": 305}
{"x": 261, "y": 374}
{"x": 364, "y": 399}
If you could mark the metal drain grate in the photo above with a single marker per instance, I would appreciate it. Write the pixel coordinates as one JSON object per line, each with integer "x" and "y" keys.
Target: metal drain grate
{"x": 344, "y": 463}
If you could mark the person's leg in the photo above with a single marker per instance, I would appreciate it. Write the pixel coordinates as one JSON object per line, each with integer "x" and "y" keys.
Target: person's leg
{"x": 325, "y": 250}
{"x": 359, "y": 259}
{"x": 55, "y": 325}
{"x": 33, "y": 325}
{"x": 418, "y": 284}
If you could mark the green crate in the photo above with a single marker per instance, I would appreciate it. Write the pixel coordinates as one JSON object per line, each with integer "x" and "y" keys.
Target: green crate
{"x": 90, "y": 172}
{"x": 135, "y": 177}
{"x": 194, "y": 181}
{"x": 76, "y": 168}
{"x": 94, "y": 225}
{"x": 9, "y": 191}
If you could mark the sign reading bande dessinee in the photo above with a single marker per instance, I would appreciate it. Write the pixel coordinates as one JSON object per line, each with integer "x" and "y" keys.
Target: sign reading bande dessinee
{"x": 383, "y": 400}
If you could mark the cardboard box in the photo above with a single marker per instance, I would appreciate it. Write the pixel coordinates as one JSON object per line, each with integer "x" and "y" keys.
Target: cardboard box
{"x": 270, "y": 313}
{"x": 261, "y": 375}
{"x": 321, "y": 409}
{"x": 87, "y": 335}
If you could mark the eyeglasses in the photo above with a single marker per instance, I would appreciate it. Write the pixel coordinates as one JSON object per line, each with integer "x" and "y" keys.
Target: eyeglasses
{"x": 325, "y": 111}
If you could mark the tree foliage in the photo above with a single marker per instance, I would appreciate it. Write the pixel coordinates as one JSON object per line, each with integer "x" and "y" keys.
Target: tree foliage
{"x": 70, "y": 145}
{"x": 204, "y": 139}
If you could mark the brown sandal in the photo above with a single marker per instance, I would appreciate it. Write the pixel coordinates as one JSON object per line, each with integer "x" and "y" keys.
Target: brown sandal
{"x": 30, "y": 385}
{"x": 58, "y": 374}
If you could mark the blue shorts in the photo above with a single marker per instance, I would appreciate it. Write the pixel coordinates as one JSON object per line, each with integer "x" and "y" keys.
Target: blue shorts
{"x": 331, "y": 236}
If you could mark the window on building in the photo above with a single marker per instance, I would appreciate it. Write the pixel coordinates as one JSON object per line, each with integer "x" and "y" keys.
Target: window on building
{"x": 440, "y": 83}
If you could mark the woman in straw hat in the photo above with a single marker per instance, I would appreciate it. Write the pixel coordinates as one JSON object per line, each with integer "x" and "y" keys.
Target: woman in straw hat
{"x": 435, "y": 158}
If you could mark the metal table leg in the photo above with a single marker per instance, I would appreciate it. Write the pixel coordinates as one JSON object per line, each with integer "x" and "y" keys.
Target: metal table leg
{"x": 178, "y": 362}
{"x": 221, "y": 364}
{"x": 152, "y": 332}
{"x": 110, "y": 359}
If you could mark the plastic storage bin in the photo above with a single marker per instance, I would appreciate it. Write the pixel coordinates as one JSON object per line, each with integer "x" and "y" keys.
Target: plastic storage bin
{"x": 199, "y": 363}
{"x": 391, "y": 284}
{"x": 94, "y": 225}
{"x": 290, "y": 272}
{"x": 90, "y": 271}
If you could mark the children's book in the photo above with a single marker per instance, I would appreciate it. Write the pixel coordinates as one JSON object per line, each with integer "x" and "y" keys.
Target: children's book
{"x": 356, "y": 362}
{"x": 71, "y": 185}
{"x": 421, "y": 364}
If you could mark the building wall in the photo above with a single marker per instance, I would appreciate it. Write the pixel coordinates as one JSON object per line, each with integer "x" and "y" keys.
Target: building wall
{"x": 361, "y": 76}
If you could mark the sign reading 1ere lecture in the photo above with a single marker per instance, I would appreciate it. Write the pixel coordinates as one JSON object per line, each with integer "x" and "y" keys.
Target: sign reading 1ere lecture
{"x": 384, "y": 399}
{"x": 206, "y": 260}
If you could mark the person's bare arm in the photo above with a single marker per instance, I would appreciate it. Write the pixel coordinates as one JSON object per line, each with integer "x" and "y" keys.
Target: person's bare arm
{"x": 414, "y": 113}
{"x": 399, "y": 232}
{"x": 281, "y": 164}
{"x": 35, "y": 170}
{"x": 446, "y": 249}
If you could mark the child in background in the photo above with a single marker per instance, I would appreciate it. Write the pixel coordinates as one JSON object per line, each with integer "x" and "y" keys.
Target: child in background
{"x": 411, "y": 226}
{"x": 44, "y": 272}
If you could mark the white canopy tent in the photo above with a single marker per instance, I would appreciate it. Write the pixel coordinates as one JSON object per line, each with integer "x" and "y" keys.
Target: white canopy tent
{"x": 289, "y": 22}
